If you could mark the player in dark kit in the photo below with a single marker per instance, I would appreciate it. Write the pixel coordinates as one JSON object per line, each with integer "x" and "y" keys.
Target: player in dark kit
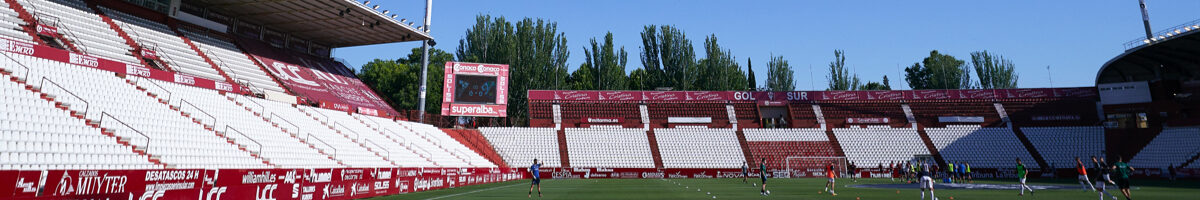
{"x": 853, "y": 171}
{"x": 1123, "y": 171}
{"x": 745, "y": 171}
{"x": 1102, "y": 177}
{"x": 537, "y": 181}
{"x": 762, "y": 173}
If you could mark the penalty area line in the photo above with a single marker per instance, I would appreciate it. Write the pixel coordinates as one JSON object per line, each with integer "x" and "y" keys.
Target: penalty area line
{"x": 479, "y": 190}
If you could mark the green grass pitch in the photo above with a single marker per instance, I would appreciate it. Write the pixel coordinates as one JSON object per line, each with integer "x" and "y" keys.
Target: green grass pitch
{"x": 803, "y": 188}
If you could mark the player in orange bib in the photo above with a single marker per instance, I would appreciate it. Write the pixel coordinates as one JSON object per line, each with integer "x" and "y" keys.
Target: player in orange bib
{"x": 1083, "y": 177}
{"x": 829, "y": 172}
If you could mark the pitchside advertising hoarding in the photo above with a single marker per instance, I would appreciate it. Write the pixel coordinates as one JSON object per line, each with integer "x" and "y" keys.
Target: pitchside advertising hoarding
{"x": 259, "y": 184}
{"x": 475, "y": 89}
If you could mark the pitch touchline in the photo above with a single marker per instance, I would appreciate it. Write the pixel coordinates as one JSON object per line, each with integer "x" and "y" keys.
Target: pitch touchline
{"x": 480, "y": 190}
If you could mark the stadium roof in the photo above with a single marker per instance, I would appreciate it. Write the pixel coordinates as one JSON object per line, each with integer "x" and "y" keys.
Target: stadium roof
{"x": 1174, "y": 54}
{"x": 320, "y": 21}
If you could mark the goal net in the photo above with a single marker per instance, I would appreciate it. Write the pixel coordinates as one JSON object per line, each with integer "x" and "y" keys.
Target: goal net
{"x": 813, "y": 166}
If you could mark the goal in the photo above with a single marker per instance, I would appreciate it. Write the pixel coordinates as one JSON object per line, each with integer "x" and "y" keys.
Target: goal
{"x": 813, "y": 166}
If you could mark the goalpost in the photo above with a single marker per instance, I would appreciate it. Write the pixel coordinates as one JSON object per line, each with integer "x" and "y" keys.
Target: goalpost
{"x": 813, "y": 166}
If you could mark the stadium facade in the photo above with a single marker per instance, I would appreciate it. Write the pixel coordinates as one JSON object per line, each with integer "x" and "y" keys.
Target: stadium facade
{"x": 241, "y": 99}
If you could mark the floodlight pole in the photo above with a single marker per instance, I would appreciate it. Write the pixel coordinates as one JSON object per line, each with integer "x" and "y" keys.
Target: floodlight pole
{"x": 424, "y": 64}
{"x": 1145, "y": 19}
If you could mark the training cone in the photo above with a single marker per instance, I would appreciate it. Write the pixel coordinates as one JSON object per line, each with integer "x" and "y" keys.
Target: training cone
{"x": 897, "y": 191}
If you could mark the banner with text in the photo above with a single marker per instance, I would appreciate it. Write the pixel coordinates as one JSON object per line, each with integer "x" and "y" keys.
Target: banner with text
{"x": 475, "y": 89}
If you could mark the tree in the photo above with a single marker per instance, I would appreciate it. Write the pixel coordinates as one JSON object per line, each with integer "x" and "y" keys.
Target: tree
{"x": 839, "y": 77}
{"x": 535, "y": 52}
{"x": 607, "y": 65}
{"x": 398, "y": 81}
{"x": 637, "y": 80}
{"x": 719, "y": 69}
{"x": 392, "y": 81}
{"x": 779, "y": 75}
{"x": 938, "y": 71}
{"x": 668, "y": 57}
{"x": 583, "y": 78}
{"x": 877, "y": 86}
{"x": 753, "y": 84}
{"x": 437, "y": 62}
{"x": 994, "y": 71}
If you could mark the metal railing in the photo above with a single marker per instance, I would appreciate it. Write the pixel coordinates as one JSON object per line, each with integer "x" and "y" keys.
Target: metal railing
{"x": 327, "y": 119}
{"x": 23, "y": 76}
{"x": 170, "y": 96}
{"x": 197, "y": 108}
{"x": 86, "y": 106}
{"x": 272, "y": 118}
{"x": 105, "y": 115}
{"x": 261, "y": 109}
{"x": 310, "y": 138}
{"x": 389, "y": 153}
{"x": 260, "y": 146}
{"x": 347, "y": 129}
{"x": 1163, "y": 35}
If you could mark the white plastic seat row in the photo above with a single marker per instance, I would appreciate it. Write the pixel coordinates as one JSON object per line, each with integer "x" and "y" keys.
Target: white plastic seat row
{"x": 609, "y": 148}
{"x": 119, "y": 106}
{"x": 235, "y": 122}
{"x": 519, "y": 146}
{"x": 699, "y": 148}
{"x": 171, "y": 48}
{"x": 875, "y": 146}
{"x": 232, "y": 61}
{"x": 36, "y": 135}
{"x": 1060, "y": 145}
{"x": 86, "y": 30}
{"x": 1174, "y": 146}
{"x": 980, "y": 147}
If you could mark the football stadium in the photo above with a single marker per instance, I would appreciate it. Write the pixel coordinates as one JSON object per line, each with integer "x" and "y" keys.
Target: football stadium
{"x": 248, "y": 99}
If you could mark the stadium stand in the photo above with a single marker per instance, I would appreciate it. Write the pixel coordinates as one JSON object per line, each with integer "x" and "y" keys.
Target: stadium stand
{"x": 778, "y": 144}
{"x": 699, "y": 148}
{"x": 84, "y": 28}
{"x": 981, "y": 147}
{"x": 11, "y": 24}
{"x": 1174, "y": 146}
{"x": 519, "y": 146}
{"x": 243, "y": 128}
{"x": 879, "y": 145}
{"x": 1060, "y": 145}
{"x": 232, "y": 61}
{"x": 451, "y": 149}
{"x": 119, "y": 106}
{"x": 170, "y": 47}
{"x": 38, "y": 135}
{"x": 609, "y": 148}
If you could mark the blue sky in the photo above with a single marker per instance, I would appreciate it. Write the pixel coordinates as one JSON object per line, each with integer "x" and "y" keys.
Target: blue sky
{"x": 880, "y": 37}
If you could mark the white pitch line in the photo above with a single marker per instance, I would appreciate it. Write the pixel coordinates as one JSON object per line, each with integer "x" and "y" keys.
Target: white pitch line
{"x": 480, "y": 190}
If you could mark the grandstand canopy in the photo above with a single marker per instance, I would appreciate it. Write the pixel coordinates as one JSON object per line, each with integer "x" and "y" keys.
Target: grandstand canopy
{"x": 321, "y": 21}
{"x": 1171, "y": 57}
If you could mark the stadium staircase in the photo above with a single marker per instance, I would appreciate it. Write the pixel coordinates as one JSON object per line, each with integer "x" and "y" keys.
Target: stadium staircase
{"x": 203, "y": 55}
{"x": 658, "y": 162}
{"x": 261, "y": 66}
{"x": 929, "y": 144}
{"x": 1190, "y": 161}
{"x": 128, "y": 40}
{"x": 562, "y": 148}
{"x": 139, "y": 150}
{"x": 397, "y": 141}
{"x": 24, "y": 14}
{"x": 745, "y": 146}
{"x": 207, "y": 127}
{"x": 476, "y": 142}
{"x": 1029, "y": 146}
{"x": 356, "y": 141}
{"x": 833, "y": 142}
